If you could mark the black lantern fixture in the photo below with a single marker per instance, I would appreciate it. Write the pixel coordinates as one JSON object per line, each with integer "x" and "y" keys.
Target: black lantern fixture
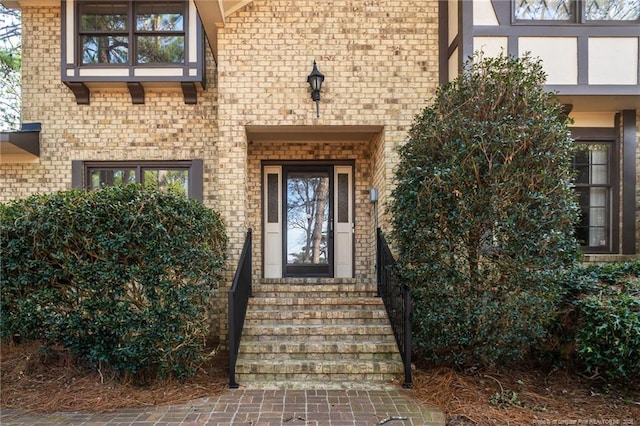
{"x": 315, "y": 80}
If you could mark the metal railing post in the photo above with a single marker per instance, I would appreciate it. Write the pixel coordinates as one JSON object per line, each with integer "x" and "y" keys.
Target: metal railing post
{"x": 397, "y": 301}
{"x": 238, "y": 299}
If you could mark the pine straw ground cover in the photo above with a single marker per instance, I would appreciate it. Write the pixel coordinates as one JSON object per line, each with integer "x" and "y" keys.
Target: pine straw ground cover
{"x": 518, "y": 396}
{"x": 33, "y": 381}
{"x": 526, "y": 396}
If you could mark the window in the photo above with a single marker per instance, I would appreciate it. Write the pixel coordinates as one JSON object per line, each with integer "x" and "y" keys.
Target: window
{"x": 595, "y": 187}
{"x": 131, "y": 33}
{"x": 540, "y": 10}
{"x": 181, "y": 177}
{"x": 576, "y": 11}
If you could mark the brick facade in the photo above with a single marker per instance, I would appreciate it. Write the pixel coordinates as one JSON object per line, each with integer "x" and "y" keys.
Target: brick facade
{"x": 381, "y": 65}
{"x": 380, "y": 61}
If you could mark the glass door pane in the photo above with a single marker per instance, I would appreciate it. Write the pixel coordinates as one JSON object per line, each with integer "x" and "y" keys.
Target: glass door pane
{"x": 308, "y": 227}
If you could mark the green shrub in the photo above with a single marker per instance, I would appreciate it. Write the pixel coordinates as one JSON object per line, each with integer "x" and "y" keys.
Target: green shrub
{"x": 608, "y": 338}
{"x": 598, "y": 323}
{"x": 120, "y": 276}
{"x": 483, "y": 213}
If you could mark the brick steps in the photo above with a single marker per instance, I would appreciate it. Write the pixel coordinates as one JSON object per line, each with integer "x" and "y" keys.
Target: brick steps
{"x": 346, "y": 316}
{"x": 320, "y": 370}
{"x": 321, "y": 350}
{"x": 303, "y": 302}
{"x": 321, "y": 332}
{"x": 315, "y": 330}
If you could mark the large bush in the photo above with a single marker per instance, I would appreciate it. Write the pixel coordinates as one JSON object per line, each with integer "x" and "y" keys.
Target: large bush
{"x": 598, "y": 324}
{"x": 120, "y": 276}
{"x": 483, "y": 213}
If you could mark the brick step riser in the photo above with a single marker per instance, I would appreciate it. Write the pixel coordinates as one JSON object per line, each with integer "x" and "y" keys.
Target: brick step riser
{"x": 368, "y": 287}
{"x": 297, "y": 367}
{"x": 338, "y": 302}
{"x": 318, "y": 347}
{"x": 307, "y": 315}
{"x": 319, "y": 356}
{"x": 381, "y": 338}
{"x": 314, "y": 378}
{"x": 309, "y": 330}
{"x": 314, "y": 322}
{"x": 321, "y": 311}
{"x": 314, "y": 313}
{"x": 346, "y": 297}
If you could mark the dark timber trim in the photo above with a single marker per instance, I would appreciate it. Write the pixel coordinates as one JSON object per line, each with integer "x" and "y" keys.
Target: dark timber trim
{"x": 443, "y": 41}
{"x": 581, "y": 29}
{"x": 189, "y": 92}
{"x": 80, "y": 91}
{"x": 137, "y": 92}
{"x": 628, "y": 138}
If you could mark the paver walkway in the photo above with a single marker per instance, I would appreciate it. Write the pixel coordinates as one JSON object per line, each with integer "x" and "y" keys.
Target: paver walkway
{"x": 259, "y": 407}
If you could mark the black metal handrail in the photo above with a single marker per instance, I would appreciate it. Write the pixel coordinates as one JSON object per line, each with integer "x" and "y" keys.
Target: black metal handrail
{"x": 397, "y": 301}
{"x": 238, "y": 300}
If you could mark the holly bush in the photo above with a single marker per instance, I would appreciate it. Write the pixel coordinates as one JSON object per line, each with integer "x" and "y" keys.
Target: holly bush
{"x": 483, "y": 213}
{"x": 120, "y": 276}
{"x": 598, "y": 323}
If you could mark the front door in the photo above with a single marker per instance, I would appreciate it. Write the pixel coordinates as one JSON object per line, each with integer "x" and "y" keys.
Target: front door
{"x": 308, "y": 218}
{"x": 308, "y": 225}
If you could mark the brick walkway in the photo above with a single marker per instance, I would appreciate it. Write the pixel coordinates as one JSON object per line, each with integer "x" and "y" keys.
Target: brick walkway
{"x": 259, "y": 407}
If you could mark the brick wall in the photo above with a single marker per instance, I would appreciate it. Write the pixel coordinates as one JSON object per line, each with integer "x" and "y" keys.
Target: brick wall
{"x": 110, "y": 128}
{"x": 380, "y": 62}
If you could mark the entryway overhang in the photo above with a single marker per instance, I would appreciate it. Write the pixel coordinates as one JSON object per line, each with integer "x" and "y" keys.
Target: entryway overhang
{"x": 352, "y": 133}
{"x": 21, "y": 146}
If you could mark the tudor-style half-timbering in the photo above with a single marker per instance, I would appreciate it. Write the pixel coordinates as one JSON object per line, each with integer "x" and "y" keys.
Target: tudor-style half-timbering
{"x": 585, "y": 50}
{"x": 133, "y": 44}
{"x": 589, "y": 50}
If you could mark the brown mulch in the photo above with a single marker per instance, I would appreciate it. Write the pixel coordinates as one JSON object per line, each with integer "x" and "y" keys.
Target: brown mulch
{"x": 33, "y": 381}
{"x": 525, "y": 395}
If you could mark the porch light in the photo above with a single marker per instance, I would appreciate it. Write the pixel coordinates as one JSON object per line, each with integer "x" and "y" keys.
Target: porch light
{"x": 315, "y": 80}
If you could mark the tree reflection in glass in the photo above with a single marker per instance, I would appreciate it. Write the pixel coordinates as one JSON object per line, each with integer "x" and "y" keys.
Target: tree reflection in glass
{"x": 307, "y": 218}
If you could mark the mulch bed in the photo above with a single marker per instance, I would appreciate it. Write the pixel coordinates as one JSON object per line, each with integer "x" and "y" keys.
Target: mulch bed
{"x": 33, "y": 381}
{"x": 523, "y": 395}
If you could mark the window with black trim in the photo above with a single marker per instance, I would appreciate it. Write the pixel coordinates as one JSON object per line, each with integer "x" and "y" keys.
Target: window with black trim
{"x": 131, "y": 33}
{"x": 596, "y": 186}
{"x": 181, "y": 177}
{"x": 576, "y": 11}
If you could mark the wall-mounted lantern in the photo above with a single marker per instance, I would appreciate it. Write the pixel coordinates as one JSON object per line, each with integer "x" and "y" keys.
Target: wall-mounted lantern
{"x": 315, "y": 80}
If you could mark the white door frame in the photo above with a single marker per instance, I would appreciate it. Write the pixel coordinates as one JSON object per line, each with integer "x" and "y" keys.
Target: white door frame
{"x": 343, "y": 217}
